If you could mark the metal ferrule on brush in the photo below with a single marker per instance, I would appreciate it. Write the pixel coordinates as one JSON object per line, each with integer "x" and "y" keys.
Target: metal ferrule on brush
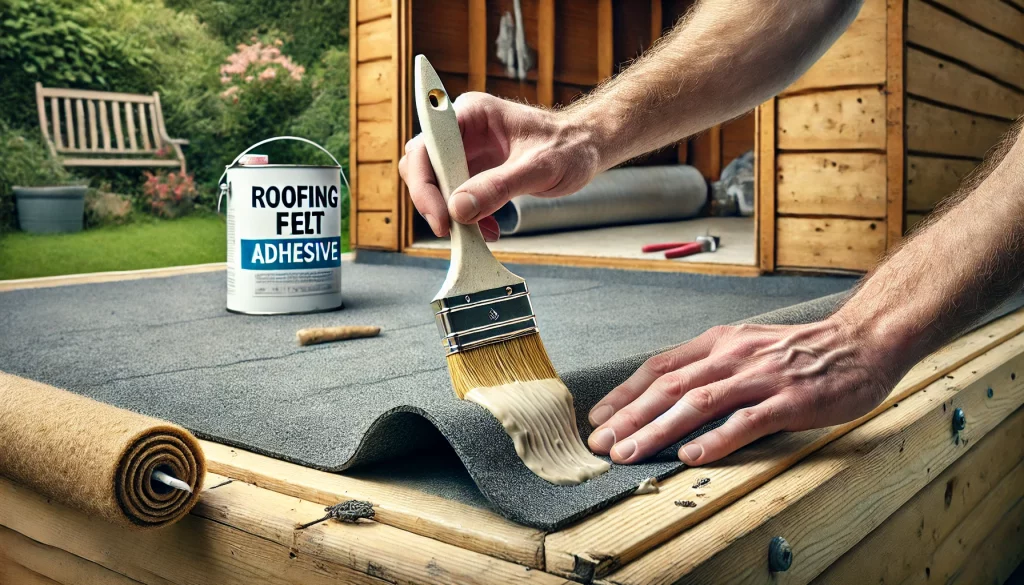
{"x": 485, "y": 317}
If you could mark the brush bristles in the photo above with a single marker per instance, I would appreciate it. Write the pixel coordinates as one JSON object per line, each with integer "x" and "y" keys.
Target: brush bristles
{"x": 517, "y": 360}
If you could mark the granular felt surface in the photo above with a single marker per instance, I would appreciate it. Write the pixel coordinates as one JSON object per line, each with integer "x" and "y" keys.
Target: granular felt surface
{"x": 167, "y": 348}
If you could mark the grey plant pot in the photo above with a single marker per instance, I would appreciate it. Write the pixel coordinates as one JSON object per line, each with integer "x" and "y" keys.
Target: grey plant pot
{"x": 48, "y": 210}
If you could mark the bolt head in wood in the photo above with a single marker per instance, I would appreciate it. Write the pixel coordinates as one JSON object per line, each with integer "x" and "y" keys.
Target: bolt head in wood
{"x": 959, "y": 420}
{"x": 780, "y": 555}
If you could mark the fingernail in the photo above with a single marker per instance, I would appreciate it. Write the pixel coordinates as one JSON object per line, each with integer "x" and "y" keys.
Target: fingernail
{"x": 603, "y": 439}
{"x": 601, "y": 414}
{"x": 624, "y": 450}
{"x": 693, "y": 452}
{"x": 433, "y": 223}
{"x": 463, "y": 207}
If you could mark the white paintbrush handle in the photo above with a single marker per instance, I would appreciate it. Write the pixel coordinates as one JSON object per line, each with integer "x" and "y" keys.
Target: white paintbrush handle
{"x": 473, "y": 267}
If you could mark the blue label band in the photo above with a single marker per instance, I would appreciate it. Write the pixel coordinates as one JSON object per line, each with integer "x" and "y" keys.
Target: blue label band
{"x": 291, "y": 254}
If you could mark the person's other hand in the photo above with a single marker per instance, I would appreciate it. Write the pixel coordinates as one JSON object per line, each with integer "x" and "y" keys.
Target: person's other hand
{"x": 771, "y": 377}
{"x": 512, "y": 149}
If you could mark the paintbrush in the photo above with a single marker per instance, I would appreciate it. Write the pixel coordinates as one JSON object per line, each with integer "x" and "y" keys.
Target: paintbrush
{"x": 483, "y": 310}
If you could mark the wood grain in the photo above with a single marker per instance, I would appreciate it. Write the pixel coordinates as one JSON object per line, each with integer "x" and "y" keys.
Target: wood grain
{"x": 605, "y": 40}
{"x": 765, "y": 187}
{"x": 371, "y": 9}
{"x": 377, "y": 190}
{"x": 831, "y": 501}
{"x": 931, "y": 179}
{"x": 376, "y": 141}
{"x": 851, "y": 184}
{"x": 934, "y": 129}
{"x": 378, "y": 229}
{"x": 895, "y": 114}
{"x": 53, "y": 563}
{"x": 995, "y": 559}
{"x": 856, "y": 58}
{"x": 445, "y": 520}
{"x": 847, "y": 244}
{"x": 909, "y": 540}
{"x": 833, "y": 120}
{"x": 933, "y": 29}
{"x": 946, "y": 82}
{"x": 477, "y": 37}
{"x": 546, "y": 52}
{"x": 994, "y": 15}
{"x": 374, "y": 82}
{"x": 625, "y": 531}
{"x": 375, "y": 39}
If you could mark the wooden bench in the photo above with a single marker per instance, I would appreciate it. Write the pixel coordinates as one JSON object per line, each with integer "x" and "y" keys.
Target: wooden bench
{"x": 77, "y": 123}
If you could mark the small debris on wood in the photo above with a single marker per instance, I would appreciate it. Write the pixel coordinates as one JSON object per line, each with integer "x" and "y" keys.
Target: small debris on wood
{"x": 686, "y": 503}
{"x": 701, "y": 482}
{"x": 648, "y": 486}
{"x": 348, "y": 511}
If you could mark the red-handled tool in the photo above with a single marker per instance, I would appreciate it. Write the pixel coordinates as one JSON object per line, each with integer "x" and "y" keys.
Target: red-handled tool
{"x": 681, "y": 249}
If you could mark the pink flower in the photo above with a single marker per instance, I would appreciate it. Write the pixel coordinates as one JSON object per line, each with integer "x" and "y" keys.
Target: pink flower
{"x": 268, "y": 73}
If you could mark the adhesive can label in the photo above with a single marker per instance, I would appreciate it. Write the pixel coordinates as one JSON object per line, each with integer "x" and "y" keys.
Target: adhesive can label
{"x": 284, "y": 239}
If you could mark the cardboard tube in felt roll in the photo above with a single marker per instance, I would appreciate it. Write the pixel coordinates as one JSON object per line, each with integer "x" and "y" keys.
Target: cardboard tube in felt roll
{"x": 96, "y": 457}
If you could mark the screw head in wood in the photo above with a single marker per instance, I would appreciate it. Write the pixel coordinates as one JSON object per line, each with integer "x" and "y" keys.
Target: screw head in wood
{"x": 780, "y": 555}
{"x": 959, "y": 420}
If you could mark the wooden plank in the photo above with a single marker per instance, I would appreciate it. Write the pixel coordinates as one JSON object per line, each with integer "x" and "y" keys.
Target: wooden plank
{"x": 193, "y": 551}
{"x": 656, "y": 21}
{"x": 374, "y": 82}
{"x": 477, "y": 38}
{"x": 55, "y": 117}
{"x": 946, "y": 82}
{"x": 603, "y": 262}
{"x": 377, "y": 187}
{"x": 907, "y": 543}
{"x": 371, "y": 9}
{"x": 847, "y": 244}
{"x": 947, "y": 561}
{"x": 937, "y": 130}
{"x": 630, "y": 528}
{"x": 55, "y": 564}
{"x": 856, "y": 58}
{"x": 109, "y": 162}
{"x": 931, "y": 179}
{"x": 144, "y": 127}
{"x": 848, "y": 184}
{"x": 354, "y": 12}
{"x": 605, "y": 40}
{"x": 80, "y": 118}
{"x": 409, "y": 509}
{"x": 993, "y": 15}
{"x": 44, "y": 128}
{"x": 115, "y": 110}
{"x": 579, "y": 58}
{"x": 96, "y": 95}
{"x": 154, "y": 126}
{"x": 378, "y": 230}
{"x": 831, "y": 501}
{"x": 129, "y": 112}
{"x": 386, "y": 552}
{"x": 94, "y": 143}
{"x": 995, "y": 559}
{"x": 104, "y": 124}
{"x": 737, "y": 137}
{"x": 376, "y": 141}
{"x": 545, "y": 53}
{"x": 895, "y": 136}
{"x": 765, "y": 187}
{"x": 69, "y": 124}
{"x": 833, "y": 120}
{"x": 375, "y": 39}
{"x": 933, "y": 29}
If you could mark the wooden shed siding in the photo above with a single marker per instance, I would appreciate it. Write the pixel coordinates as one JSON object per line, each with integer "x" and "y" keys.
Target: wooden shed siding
{"x": 856, "y": 58}
{"x": 994, "y": 16}
{"x": 944, "y": 81}
{"x": 833, "y": 120}
{"x": 375, "y": 39}
{"x": 371, "y": 9}
{"x": 848, "y": 184}
{"x": 845, "y": 244}
{"x": 931, "y": 179}
{"x": 934, "y": 129}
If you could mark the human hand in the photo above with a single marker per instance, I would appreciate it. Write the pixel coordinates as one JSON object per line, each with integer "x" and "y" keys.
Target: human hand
{"x": 771, "y": 377}
{"x": 512, "y": 149}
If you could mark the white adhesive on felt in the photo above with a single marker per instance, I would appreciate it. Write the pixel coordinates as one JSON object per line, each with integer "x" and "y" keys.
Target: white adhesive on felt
{"x": 648, "y": 486}
{"x": 538, "y": 415}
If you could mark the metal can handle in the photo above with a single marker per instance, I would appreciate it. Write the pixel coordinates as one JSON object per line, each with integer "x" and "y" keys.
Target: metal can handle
{"x": 261, "y": 143}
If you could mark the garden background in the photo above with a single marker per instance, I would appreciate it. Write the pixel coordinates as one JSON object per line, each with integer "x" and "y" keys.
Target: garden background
{"x": 229, "y": 73}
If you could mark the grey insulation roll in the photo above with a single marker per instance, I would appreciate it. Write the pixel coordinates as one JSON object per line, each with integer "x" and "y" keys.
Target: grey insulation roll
{"x": 616, "y": 197}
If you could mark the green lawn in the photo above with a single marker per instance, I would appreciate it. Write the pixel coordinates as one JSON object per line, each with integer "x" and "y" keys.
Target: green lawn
{"x": 148, "y": 243}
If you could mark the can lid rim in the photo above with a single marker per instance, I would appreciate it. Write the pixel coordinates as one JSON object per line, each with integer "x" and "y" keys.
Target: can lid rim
{"x": 284, "y": 166}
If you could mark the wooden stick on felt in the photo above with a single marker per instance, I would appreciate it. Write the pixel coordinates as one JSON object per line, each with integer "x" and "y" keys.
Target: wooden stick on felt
{"x": 316, "y": 335}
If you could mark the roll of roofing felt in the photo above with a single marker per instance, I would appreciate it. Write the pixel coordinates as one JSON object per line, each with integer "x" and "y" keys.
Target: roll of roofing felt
{"x": 94, "y": 456}
{"x": 616, "y": 197}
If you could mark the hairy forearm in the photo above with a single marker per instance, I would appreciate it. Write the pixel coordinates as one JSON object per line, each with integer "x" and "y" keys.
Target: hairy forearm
{"x": 723, "y": 59}
{"x": 958, "y": 267}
